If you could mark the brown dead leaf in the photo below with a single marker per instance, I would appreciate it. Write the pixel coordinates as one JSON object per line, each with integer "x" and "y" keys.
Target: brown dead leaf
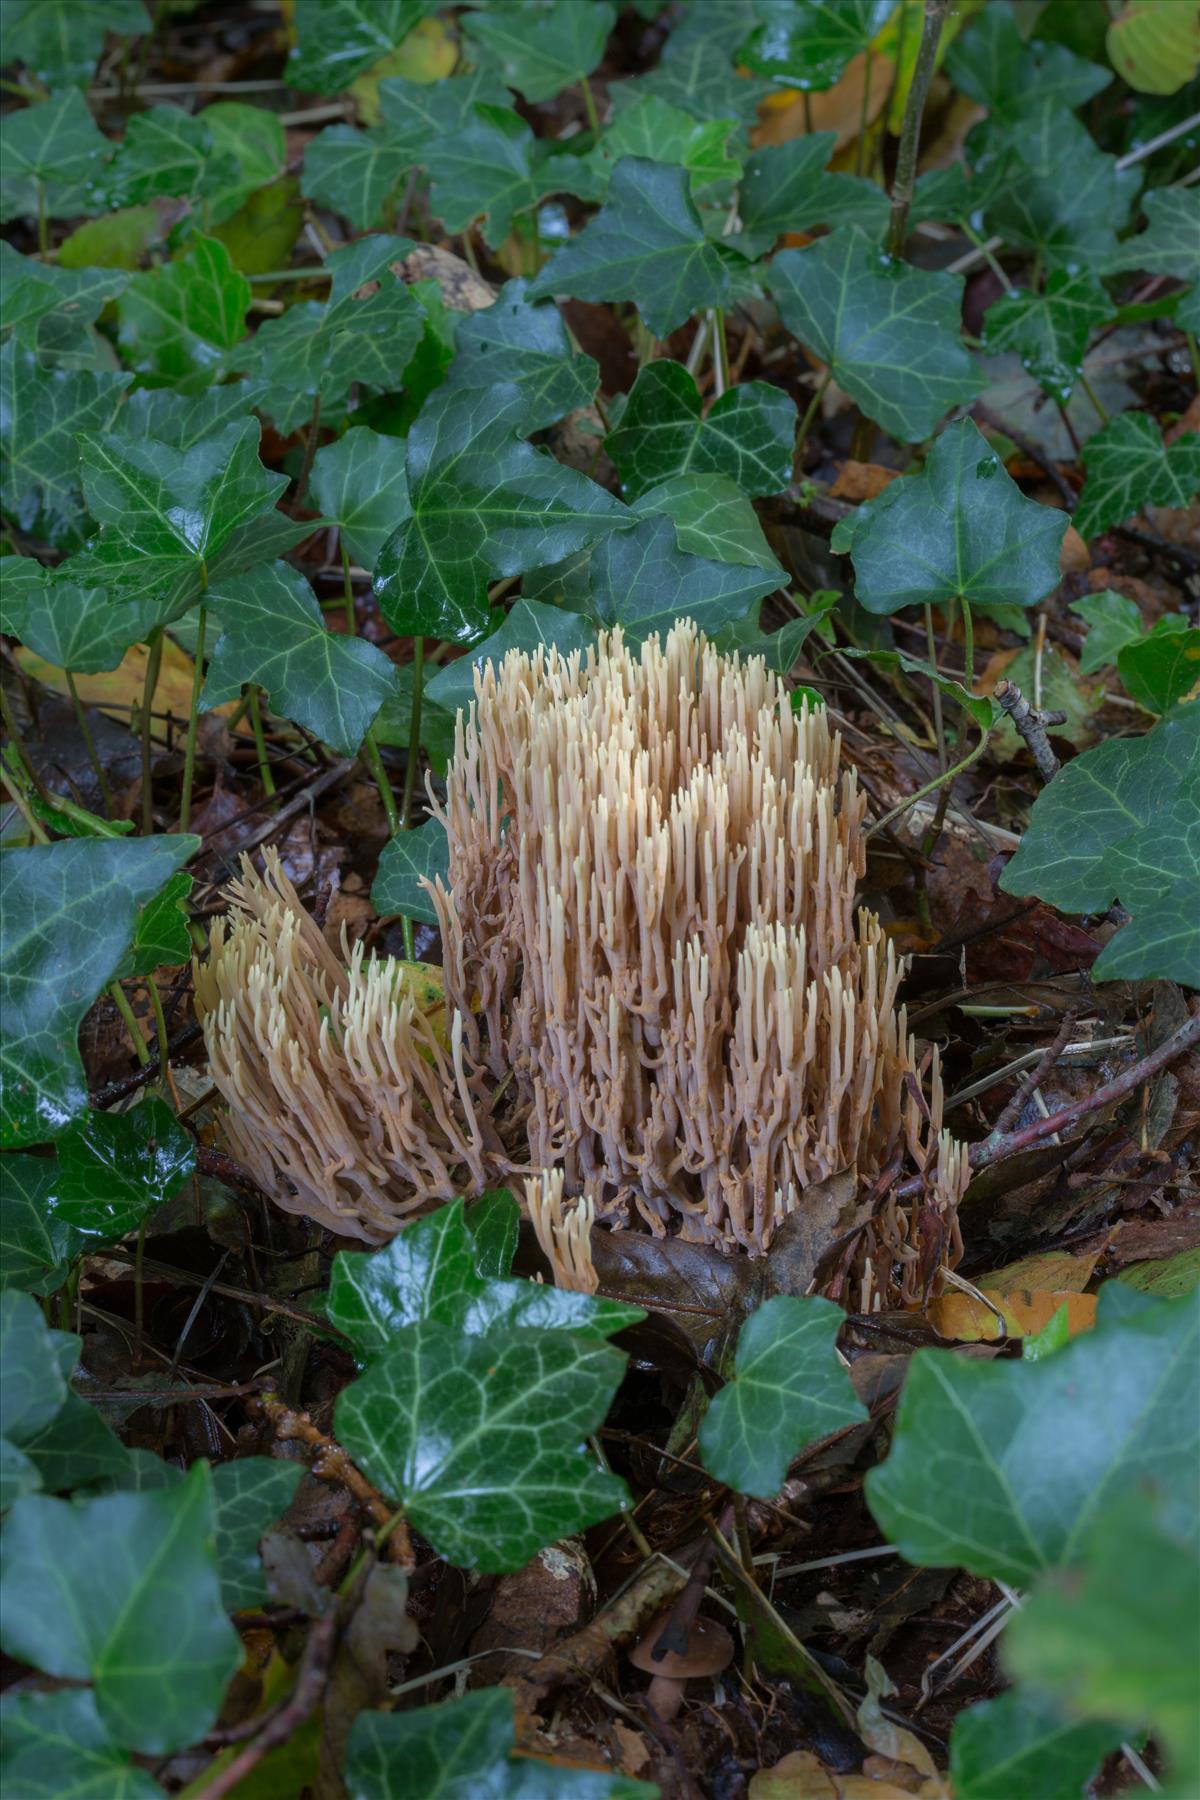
{"x": 803, "y": 1776}
{"x": 784, "y": 116}
{"x": 635, "y": 1751}
{"x": 861, "y": 481}
{"x": 532, "y": 1609}
{"x": 1074, "y": 557}
{"x": 965, "y": 1320}
{"x": 1187, "y": 421}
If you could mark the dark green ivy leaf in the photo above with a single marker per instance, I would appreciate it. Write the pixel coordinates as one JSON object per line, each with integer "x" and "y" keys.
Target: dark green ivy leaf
{"x": 69, "y": 912}
{"x": 540, "y": 47}
{"x": 60, "y": 41}
{"x": 961, "y": 529}
{"x": 695, "y": 71}
{"x": 178, "y": 323}
{"x": 337, "y": 40}
{"x": 528, "y": 625}
{"x": 359, "y": 482}
{"x": 991, "y": 62}
{"x": 748, "y": 434}
{"x": 55, "y": 149}
{"x": 491, "y": 168}
{"x": 410, "y": 858}
{"x": 1163, "y": 666}
{"x": 352, "y": 172}
{"x": 50, "y": 308}
{"x": 54, "y": 1744}
{"x": 1170, "y": 244}
{"x": 653, "y": 128}
{"x": 526, "y": 343}
{"x": 1054, "y": 191}
{"x": 36, "y": 1243}
{"x": 647, "y": 244}
{"x": 642, "y": 581}
{"x": 249, "y": 1494}
{"x": 712, "y": 517}
{"x": 1113, "y": 621}
{"x": 786, "y": 187}
{"x": 889, "y": 332}
{"x": 72, "y": 627}
{"x": 1129, "y": 467}
{"x": 161, "y": 937}
{"x": 1024, "y": 1743}
{"x": 36, "y": 1363}
{"x": 114, "y": 1169}
{"x": 163, "y": 155}
{"x": 808, "y": 44}
{"x": 1049, "y": 331}
{"x": 41, "y": 411}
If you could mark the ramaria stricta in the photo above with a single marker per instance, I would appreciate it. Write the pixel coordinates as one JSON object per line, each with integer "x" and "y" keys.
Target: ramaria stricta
{"x": 656, "y": 982}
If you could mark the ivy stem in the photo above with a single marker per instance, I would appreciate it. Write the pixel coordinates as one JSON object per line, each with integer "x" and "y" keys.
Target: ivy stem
{"x": 1090, "y": 391}
{"x": 348, "y": 590}
{"x": 374, "y": 762}
{"x": 139, "y": 1257}
{"x": 947, "y": 776}
{"x": 810, "y": 413}
{"x": 310, "y": 450}
{"x": 43, "y": 229}
{"x": 910, "y": 130}
{"x": 414, "y": 729}
{"x": 154, "y": 647}
{"x": 864, "y": 112}
{"x": 89, "y": 744}
{"x": 121, "y": 1002}
{"x": 189, "y": 753}
{"x": 260, "y": 744}
{"x": 720, "y": 353}
{"x": 160, "y": 1032}
{"x": 968, "y": 644}
{"x": 34, "y": 827}
{"x": 938, "y": 721}
{"x": 589, "y": 104}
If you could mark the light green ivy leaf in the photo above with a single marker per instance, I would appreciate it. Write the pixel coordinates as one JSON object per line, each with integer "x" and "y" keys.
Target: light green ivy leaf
{"x": 1129, "y": 467}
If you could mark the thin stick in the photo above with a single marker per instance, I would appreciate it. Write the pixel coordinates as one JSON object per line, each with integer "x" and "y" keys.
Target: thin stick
{"x": 89, "y": 744}
{"x": 189, "y": 751}
{"x": 154, "y": 645}
{"x": 260, "y": 744}
{"x": 810, "y": 413}
{"x": 910, "y": 130}
{"x": 35, "y": 829}
{"x": 1034, "y": 1079}
{"x": 720, "y": 354}
{"x": 1031, "y": 723}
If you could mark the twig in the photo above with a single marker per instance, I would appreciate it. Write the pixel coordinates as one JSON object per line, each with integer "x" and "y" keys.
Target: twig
{"x": 1031, "y": 722}
{"x": 1002, "y": 1144}
{"x": 910, "y": 130}
{"x": 1028, "y": 448}
{"x": 1037, "y": 1074}
{"x": 1179, "y": 554}
{"x": 129, "y": 1084}
{"x": 331, "y": 1463}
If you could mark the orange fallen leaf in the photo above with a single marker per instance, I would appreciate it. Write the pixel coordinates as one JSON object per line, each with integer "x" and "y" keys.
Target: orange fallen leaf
{"x": 1053, "y": 1272}
{"x": 965, "y": 1320}
{"x": 861, "y": 480}
{"x": 785, "y": 116}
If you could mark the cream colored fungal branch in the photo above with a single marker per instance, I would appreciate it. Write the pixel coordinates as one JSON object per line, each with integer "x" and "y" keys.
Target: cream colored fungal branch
{"x": 650, "y": 930}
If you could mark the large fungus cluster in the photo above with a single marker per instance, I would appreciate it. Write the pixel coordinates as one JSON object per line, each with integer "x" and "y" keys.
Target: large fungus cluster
{"x": 655, "y": 979}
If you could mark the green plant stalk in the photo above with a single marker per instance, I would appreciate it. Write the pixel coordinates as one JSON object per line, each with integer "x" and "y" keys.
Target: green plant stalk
{"x": 805, "y": 425}
{"x": 138, "y": 1292}
{"x": 947, "y": 776}
{"x": 310, "y": 450}
{"x": 32, "y": 824}
{"x": 260, "y": 744}
{"x": 414, "y": 729}
{"x": 864, "y": 111}
{"x": 1090, "y": 391}
{"x": 348, "y": 589}
{"x": 939, "y": 723}
{"x": 1194, "y": 353}
{"x": 910, "y": 130}
{"x": 160, "y": 1030}
{"x": 374, "y": 762}
{"x": 154, "y": 646}
{"x": 189, "y": 752}
{"x": 968, "y": 644}
{"x": 589, "y": 105}
{"x": 720, "y": 353}
{"x": 89, "y": 744}
{"x": 43, "y": 228}
{"x": 122, "y": 1005}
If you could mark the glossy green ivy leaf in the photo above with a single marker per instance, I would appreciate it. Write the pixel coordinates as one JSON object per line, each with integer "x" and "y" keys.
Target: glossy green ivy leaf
{"x": 889, "y": 332}
{"x": 114, "y": 1169}
{"x": 76, "y": 1446}
{"x": 540, "y": 47}
{"x": 180, "y": 322}
{"x": 779, "y": 649}
{"x": 428, "y": 1272}
{"x": 274, "y": 633}
{"x": 528, "y": 626}
{"x": 1128, "y": 467}
{"x": 1113, "y": 621}
{"x": 807, "y": 44}
{"x": 463, "y": 1750}
{"x": 166, "y": 514}
{"x": 647, "y": 244}
{"x": 36, "y": 1363}
{"x": 161, "y": 937}
{"x": 696, "y": 69}
{"x": 494, "y": 1221}
{"x": 37, "y": 1245}
{"x": 41, "y": 411}
{"x": 1002, "y": 1466}
{"x": 353, "y": 172}
{"x": 55, "y": 1744}
{"x": 642, "y": 581}
{"x": 1113, "y": 1640}
{"x": 527, "y": 344}
{"x": 787, "y": 1389}
{"x": 1170, "y": 243}
{"x": 1022, "y": 1743}
{"x": 713, "y": 518}
{"x": 69, "y": 911}
{"x": 50, "y": 308}
{"x": 249, "y": 150}
{"x": 60, "y": 41}
{"x": 1054, "y": 192}
{"x": 1162, "y": 667}
{"x": 164, "y": 154}
{"x": 484, "y": 505}
{"x": 52, "y": 149}
{"x": 409, "y": 860}
{"x": 320, "y": 352}
{"x": 992, "y": 63}
{"x": 654, "y": 129}
{"x": 786, "y": 187}
{"x": 1049, "y": 331}
{"x": 249, "y": 1494}
{"x": 748, "y": 434}
{"x": 184, "y": 420}
{"x": 123, "y": 1591}
{"x": 961, "y": 529}
{"x": 359, "y": 482}
{"x": 478, "y": 1438}
{"x": 337, "y": 40}
{"x": 1121, "y": 822}
{"x": 74, "y": 628}
{"x": 981, "y": 708}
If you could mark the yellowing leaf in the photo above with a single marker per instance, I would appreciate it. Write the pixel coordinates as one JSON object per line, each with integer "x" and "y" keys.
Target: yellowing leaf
{"x": 965, "y": 1320}
{"x": 428, "y": 53}
{"x": 121, "y": 689}
{"x": 1053, "y": 1272}
{"x": 839, "y": 108}
{"x": 1154, "y": 45}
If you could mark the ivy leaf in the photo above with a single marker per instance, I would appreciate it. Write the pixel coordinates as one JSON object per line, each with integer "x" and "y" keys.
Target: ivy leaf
{"x": 1022, "y": 1743}
{"x": 528, "y": 625}
{"x": 478, "y": 1439}
{"x": 52, "y": 1744}
{"x": 961, "y": 529}
{"x": 484, "y": 505}
{"x": 1170, "y": 244}
{"x": 161, "y": 937}
{"x": 416, "y": 113}
{"x": 393, "y": 721}
{"x": 53, "y": 149}
{"x": 41, "y": 411}
{"x": 184, "y": 420}
{"x": 1001, "y": 1466}
{"x": 1162, "y": 667}
{"x": 642, "y": 581}
{"x": 656, "y": 130}
{"x": 179, "y": 322}
{"x": 494, "y": 1223}
{"x": 34, "y": 1388}
{"x": 808, "y": 44}
{"x": 647, "y": 243}
{"x": 979, "y": 707}
{"x": 1113, "y": 622}
{"x": 37, "y": 1245}
{"x": 352, "y": 172}
{"x": 50, "y": 308}
{"x": 319, "y": 352}
{"x": 412, "y": 857}
{"x": 428, "y": 1273}
{"x": 889, "y": 332}
{"x": 60, "y": 41}
{"x": 249, "y": 150}
{"x": 71, "y": 627}
{"x": 337, "y": 40}
{"x": 526, "y": 343}
{"x": 541, "y": 47}
{"x": 1120, "y": 821}
{"x": 991, "y": 62}
{"x": 786, "y": 187}
{"x": 748, "y": 434}
{"x": 1129, "y": 467}
{"x": 114, "y": 1169}
{"x": 695, "y": 71}
{"x": 248, "y": 1495}
{"x": 359, "y": 482}
{"x": 87, "y": 1598}
{"x": 273, "y": 633}
{"x": 1049, "y": 331}
{"x": 69, "y": 911}
{"x": 163, "y": 154}
{"x": 1112, "y": 1640}
{"x": 465, "y": 1748}
{"x": 787, "y": 1390}
{"x": 713, "y": 518}
{"x": 490, "y": 169}
{"x": 1054, "y": 192}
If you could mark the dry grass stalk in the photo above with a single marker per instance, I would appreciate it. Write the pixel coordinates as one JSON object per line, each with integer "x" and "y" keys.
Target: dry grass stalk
{"x": 650, "y": 923}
